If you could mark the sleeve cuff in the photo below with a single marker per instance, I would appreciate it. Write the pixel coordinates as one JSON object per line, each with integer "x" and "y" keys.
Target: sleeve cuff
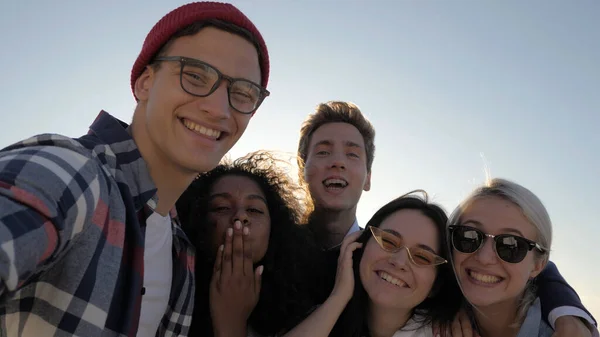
{"x": 572, "y": 311}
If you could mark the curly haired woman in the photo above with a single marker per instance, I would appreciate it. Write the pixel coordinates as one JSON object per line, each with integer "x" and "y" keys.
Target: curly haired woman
{"x": 257, "y": 270}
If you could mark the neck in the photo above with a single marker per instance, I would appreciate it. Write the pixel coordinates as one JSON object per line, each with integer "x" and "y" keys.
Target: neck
{"x": 497, "y": 320}
{"x": 330, "y": 227}
{"x": 170, "y": 180}
{"x": 385, "y": 322}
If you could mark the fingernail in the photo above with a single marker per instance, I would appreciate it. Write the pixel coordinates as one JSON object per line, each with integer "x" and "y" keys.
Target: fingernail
{"x": 238, "y": 225}
{"x": 246, "y": 230}
{"x": 260, "y": 270}
{"x": 229, "y": 231}
{"x": 221, "y": 248}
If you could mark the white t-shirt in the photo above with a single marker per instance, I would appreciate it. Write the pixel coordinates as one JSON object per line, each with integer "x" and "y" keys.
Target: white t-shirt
{"x": 409, "y": 330}
{"x": 158, "y": 273}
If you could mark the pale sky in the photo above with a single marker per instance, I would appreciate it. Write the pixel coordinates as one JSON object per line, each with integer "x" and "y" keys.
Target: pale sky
{"x": 451, "y": 86}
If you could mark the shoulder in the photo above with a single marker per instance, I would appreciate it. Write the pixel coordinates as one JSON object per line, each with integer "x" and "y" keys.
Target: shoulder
{"x": 47, "y": 147}
{"x": 48, "y": 156}
{"x": 50, "y": 168}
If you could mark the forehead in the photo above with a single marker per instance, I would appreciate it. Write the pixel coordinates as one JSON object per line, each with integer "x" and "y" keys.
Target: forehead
{"x": 498, "y": 215}
{"x": 414, "y": 226}
{"x": 236, "y": 185}
{"x": 232, "y": 54}
{"x": 337, "y": 132}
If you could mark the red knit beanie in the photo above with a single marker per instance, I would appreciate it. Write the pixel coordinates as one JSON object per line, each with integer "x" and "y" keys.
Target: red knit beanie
{"x": 187, "y": 15}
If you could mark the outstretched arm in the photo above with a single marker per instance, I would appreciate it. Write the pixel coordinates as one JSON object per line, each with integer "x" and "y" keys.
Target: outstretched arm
{"x": 559, "y": 300}
{"x": 47, "y": 195}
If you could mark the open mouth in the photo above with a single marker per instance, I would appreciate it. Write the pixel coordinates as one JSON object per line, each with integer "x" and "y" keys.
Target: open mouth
{"x": 483, "y": 278}
{"x": 392, "y": 280}
{"x": 201, "y": 130}
{"x": 335, "y": 183}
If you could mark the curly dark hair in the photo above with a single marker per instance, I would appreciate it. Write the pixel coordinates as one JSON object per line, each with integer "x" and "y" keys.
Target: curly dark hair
{"x": 292, "y": 259}
{"x": 445, "y": 299}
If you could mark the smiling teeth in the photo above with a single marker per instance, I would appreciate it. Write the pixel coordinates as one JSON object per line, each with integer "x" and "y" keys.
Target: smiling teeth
{"x": 335, "y": 182}
{"x": 201, "y": 129}
{"x": 389, "y": 278}
{"x": 484, "y": 278}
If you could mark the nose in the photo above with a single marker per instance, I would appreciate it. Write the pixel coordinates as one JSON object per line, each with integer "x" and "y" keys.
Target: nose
{"x": 242, "y": 216}
{"x": 217, "y": 103}
{"x": 338, "y": 161}
{"x": 400, "y": 259}
{"x": 486, "y": 254}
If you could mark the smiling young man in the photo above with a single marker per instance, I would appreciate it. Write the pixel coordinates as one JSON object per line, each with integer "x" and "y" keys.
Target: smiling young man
{"x": 88, "y": 245}
{"x": 335, "y": 156}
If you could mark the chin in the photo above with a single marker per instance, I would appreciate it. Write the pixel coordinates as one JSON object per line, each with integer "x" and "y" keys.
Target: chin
{"x": 201, "y": 166}
{"x": 481, "y": 299}
{"x": 335, "y": 205}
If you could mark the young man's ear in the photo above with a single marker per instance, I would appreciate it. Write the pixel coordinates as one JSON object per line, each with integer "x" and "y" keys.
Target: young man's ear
{"x": 367, "y": 185}
{"x": 144, "y": 83}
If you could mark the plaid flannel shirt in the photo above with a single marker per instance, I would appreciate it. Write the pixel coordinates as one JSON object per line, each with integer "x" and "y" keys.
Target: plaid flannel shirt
{"x": 72, "y": 222}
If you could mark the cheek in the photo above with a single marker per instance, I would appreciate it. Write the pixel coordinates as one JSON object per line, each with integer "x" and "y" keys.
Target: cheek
{"x": 265, "y": 231}
{"x": 458, "y": 259}
{"x": 241, "y": 122}
{"x": 369, "y": 258}
{"x": 260, "y": 230}
{"x": 162, "y": 100}
{"x": 426, "y": 278}
{"x": 218, "y": 226}
{"x": 521, "y": 271}
{"x": 309, "y": 170}
{"x": 359, "y": 171}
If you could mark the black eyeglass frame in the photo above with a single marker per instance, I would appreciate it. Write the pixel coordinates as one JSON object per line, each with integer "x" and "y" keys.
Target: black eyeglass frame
{"x": 530, "y": 244}
{"x": 264, "y": 93}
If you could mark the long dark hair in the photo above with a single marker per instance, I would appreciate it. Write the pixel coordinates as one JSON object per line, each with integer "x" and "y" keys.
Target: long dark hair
{"x": 287, "y": 283}
{"x": 445, "y": 299}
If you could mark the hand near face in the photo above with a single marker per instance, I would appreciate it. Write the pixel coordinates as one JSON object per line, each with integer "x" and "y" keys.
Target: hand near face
{"x": 235, "y": 285}
{"x": 461, "y": 327}
{"x": 344, "y": 278}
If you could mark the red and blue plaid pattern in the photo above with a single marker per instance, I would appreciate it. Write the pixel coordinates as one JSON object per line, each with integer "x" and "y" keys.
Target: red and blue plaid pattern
{"x": 72, "y": 221}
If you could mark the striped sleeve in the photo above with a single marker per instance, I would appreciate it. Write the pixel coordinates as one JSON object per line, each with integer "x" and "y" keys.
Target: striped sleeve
{"x": 47, "y": 195}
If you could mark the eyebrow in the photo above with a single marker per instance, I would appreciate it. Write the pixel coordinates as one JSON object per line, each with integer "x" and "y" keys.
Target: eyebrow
{"x": 420, "y": 245}
{"x": 228, "y": 196}
{"x": 347, "y": 143}
{"x": 503, "y": 230}
{"x": 323, "y": 142}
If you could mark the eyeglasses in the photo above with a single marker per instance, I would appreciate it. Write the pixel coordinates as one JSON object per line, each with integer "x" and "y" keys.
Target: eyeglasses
{"x": 200, "y": 79}
{"x": 510, "y": 248}
{"x": 393, "y": 243}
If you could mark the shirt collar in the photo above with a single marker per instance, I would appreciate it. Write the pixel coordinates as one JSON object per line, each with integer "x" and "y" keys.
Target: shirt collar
{"x": 124, "y": 159}
{"x": 354, "y": 228}
{"x": 531, "y": 324}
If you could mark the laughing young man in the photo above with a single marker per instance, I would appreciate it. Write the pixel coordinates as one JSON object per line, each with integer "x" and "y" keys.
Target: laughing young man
{"x": 88, "y": 246}
{"x": 335, "y": 157}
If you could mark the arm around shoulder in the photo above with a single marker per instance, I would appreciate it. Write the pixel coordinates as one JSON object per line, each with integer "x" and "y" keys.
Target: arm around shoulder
{"x": 48, "y": 194}
{"x": 559, "y": 299}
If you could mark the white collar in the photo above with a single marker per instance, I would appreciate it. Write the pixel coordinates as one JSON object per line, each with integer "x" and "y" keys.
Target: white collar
{"x": 354, "y": 228}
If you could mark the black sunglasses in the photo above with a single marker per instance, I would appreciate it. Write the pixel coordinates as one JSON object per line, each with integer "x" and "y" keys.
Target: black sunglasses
{"x": 510, "y": 248}
{"x": 201, "y": 79}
